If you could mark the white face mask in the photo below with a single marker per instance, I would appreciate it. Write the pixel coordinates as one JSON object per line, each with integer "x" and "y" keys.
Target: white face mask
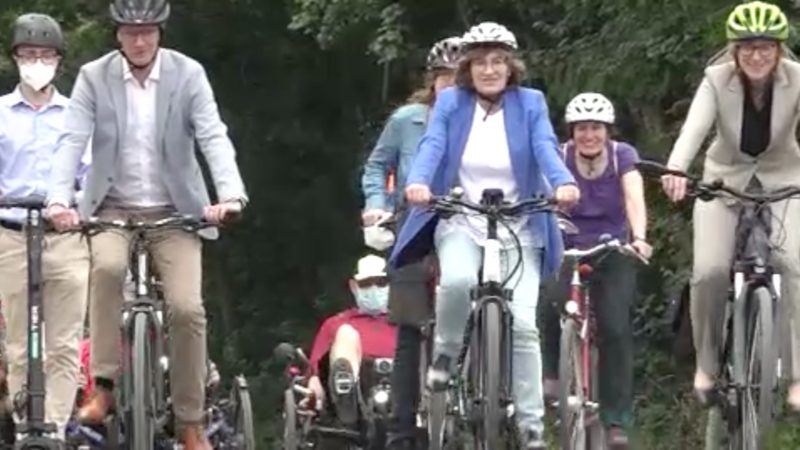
{"x": 37, "y": 75}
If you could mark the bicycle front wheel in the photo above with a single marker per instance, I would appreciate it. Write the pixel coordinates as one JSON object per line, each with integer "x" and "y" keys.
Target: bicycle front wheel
{"x": 572, "y": 393}
{"x": 757, "y": 401}
{"x": 243, "y": 415}
{"x": 490, "y": 382}
{"x": 140, "y": 429}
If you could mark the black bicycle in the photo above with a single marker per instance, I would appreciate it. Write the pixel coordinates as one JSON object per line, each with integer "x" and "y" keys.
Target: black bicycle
{"x": 34, "y": 433}
{"x": 747, "y": 381}
{"x": 480, "y": 396}
{"x": 144, "y": 398}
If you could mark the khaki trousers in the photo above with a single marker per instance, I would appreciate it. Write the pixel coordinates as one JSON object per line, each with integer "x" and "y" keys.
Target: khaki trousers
{"x": 178, "y": 259}
{"x": 65, "y": 271}
{"x": 714, "y": 245}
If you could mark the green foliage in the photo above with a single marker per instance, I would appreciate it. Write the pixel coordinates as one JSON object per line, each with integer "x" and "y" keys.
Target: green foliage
{"x": 301, "y": 84}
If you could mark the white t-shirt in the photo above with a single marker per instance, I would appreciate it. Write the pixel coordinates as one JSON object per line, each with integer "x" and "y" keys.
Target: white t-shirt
{"x": 486, "y": 164}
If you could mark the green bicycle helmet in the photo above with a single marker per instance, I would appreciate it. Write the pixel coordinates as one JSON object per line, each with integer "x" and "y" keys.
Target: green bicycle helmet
{"x": 757, "y": 20}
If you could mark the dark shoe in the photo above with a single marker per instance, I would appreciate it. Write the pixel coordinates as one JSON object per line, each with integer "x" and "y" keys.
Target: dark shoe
{"x": 533, "y": 440}
{"x": 97, "y": 407}
{"x": 439, "y": 374}
{"x": 617, "y": 438}
{"x": 345, "y": 392}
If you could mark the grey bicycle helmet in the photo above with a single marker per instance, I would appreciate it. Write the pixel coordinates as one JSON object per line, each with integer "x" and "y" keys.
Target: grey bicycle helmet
{"x": 38, "y": 29}
{"x": 139, "y": 12}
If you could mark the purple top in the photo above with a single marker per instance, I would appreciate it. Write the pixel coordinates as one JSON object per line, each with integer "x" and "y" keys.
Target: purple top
{"x": 601, "y": 209}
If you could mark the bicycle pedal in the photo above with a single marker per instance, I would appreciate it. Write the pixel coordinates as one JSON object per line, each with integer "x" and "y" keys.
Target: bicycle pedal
{"x": 343, "y": 384}
{"x": 572, "y": 403}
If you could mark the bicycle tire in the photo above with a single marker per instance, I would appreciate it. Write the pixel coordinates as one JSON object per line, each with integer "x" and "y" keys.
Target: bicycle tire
{"x": 597, "y": 432}
{"x": 244, "y": 429}
{"x": 490, "y": 429}
{"x": 142, "y": 407}
{"x": 760, "y": 369}
{"x": 290, "y": 440}
{"x": 571, "y": 394}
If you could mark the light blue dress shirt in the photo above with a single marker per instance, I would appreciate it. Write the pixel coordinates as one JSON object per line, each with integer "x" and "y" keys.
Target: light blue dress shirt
{"x": 28, "y": 138}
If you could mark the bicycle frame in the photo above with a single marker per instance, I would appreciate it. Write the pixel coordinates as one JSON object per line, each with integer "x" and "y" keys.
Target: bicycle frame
{"x": 146, "y": 302}
{"x": 578, "y": 307}
{"x": 491, "y": 290}
{"x": 750, "y": 271}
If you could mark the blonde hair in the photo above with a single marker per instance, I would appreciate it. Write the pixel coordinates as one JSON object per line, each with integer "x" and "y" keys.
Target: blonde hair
{"x": 427, "y": 93}
{"x": 464, "y": 74}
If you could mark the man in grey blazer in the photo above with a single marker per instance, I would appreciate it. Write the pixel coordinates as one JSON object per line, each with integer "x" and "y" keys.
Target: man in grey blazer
{"x": 144, "y": 108}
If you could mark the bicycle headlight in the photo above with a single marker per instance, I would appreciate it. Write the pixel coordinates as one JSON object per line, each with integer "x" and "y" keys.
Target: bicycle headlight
{"x": 571, "y": 307}
{"x": 381, "y": 397}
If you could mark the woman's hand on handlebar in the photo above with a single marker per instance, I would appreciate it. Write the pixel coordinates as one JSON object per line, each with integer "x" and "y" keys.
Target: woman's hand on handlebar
{"x": 418, "y": 194}
{"x": 567, "y": 196}
{"x": 674, "y": 186}
{"x": 642, "y": 248}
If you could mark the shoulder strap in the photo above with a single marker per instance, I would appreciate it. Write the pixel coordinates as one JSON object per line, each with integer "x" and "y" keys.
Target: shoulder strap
{"x": 614, "y": 158}
{"x": 562, "y": 148}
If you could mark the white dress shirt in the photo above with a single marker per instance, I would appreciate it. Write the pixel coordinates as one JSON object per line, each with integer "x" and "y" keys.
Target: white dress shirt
{"x": 138, "y": 180}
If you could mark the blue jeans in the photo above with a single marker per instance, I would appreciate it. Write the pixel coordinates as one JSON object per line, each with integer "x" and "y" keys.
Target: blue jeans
{"x": 460, "y": 259}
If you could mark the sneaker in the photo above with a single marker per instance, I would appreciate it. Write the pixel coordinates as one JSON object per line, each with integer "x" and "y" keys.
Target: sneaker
{"x": 344, "y": 390}
{"x": 439, "y": 374}
{"x": 533, "y": 440}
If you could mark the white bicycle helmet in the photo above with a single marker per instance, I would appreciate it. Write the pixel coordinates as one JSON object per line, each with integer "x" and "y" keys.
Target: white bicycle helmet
{"x": 444, "y": 54}
{"x": 590, "y": 106}
{"x": 489, "y": 33}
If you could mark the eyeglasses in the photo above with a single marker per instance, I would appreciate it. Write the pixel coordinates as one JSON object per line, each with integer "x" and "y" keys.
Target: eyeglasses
{"x": 147, "y": 33}
{"x": 764, "y": 50}
{"x": 48, "y": 57}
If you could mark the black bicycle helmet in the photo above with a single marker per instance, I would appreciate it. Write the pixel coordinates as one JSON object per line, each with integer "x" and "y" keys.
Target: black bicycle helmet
{"x": 139, "y": 12}
{"x": 38, "y": 29}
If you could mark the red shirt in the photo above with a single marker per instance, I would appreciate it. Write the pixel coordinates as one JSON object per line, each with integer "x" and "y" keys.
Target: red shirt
{"x": 378, "y": 336}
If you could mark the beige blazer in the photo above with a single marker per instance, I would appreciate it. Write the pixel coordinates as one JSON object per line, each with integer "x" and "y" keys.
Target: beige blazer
{"x": 720, "y": 101}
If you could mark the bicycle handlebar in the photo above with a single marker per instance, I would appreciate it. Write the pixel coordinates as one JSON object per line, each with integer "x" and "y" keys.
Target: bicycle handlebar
{"x": 27, "y": 202}
{"x": 188, "y": 223}
{"x": 451, "y": 204}
{"x": 611, "y": 244}
{"x": 718, "y": 188}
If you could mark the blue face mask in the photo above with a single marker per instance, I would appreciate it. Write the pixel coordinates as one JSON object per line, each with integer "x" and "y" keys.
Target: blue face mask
{"x": 372, "y": 300}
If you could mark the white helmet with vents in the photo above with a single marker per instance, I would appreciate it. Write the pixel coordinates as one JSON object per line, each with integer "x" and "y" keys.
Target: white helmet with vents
{"x": 444, "y": 54}
{"x": 590, "y": 106}
{"x": 487, "y": 33}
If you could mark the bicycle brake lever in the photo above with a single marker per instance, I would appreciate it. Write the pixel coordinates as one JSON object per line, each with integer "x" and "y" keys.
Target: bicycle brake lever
{"x": 444, "y": 213}
{"x": 631, "y": 251}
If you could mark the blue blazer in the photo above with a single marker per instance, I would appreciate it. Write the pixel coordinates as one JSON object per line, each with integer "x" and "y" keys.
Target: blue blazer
{"x": 535, "y": 162}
